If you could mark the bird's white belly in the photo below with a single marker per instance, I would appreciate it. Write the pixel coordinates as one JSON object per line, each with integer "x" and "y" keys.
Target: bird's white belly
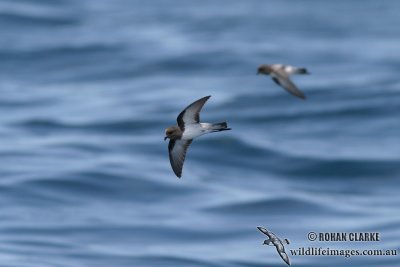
{"x": 193, "y": 130}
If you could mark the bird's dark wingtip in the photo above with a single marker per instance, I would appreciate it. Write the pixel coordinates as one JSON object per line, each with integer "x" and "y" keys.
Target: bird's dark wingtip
{"x": 262, "y": 230}
{"x": 177, "y": 174}
{"x": 301, "y": 96}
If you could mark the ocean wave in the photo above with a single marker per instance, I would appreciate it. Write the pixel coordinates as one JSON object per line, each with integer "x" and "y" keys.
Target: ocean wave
{"x": 66, "y": 51}
{"x": 270, "y": 207}
{"x": 122, "y": 126}
{"x": 30, "y": 20}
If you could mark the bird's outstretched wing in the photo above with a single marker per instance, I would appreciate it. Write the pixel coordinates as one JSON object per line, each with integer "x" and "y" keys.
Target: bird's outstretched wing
{"x": 177, "y": 152}
{"x": 282, "y": 79}
{"x": 266, "y": 232}
{"x": 281, "y": 251}
{"x": 191, "y": 114}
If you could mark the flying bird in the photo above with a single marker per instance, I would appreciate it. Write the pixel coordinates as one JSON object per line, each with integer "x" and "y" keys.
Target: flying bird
{"x": 275, "y": 241}
{"x": 188, "y": 128}
{"x": 280, "y": 74}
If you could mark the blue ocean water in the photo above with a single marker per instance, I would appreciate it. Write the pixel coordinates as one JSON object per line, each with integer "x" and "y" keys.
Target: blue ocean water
{"x": 88, "y": 87}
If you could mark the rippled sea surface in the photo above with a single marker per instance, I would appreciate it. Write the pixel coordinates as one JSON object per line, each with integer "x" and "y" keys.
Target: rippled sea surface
{"x": 88, "y": 87}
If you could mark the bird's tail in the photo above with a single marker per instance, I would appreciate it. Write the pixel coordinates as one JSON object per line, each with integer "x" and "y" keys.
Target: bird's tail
{"x": 222, "y": 126}
{"x": 301, "y": 71}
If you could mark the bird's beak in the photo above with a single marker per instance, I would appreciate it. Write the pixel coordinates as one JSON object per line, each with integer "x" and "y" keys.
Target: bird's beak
{"x": 165, "y": 138}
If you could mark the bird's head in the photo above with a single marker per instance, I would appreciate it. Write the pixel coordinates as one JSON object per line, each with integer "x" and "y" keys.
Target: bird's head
{"x": 267, "y": 242}
{"x": 264, "y": 69}
{"x": 172, "y": 133}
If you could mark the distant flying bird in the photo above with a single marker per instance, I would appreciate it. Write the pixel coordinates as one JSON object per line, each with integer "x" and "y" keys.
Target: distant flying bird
{"x": 188, "y": 128}
{"x": 274, "y": 240}
{"x": 280, "y": 74}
